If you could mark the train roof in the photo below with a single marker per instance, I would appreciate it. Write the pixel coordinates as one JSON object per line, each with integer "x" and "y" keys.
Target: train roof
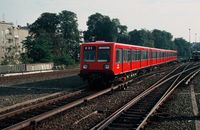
{"x": 100, "y": 42}
{"x": 196, "y": 51}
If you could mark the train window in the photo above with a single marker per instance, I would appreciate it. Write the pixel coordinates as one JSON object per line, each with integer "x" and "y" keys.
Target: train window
{"x": 129, "y": 55}
{"x": 104, "y": 54}
{"x": 118, "y": 55}
{"x": 133, "y": 55}
{"x": 89, "y": 53}
{"x": 125, "y": 56}
{"x": 138, "y": 55}
{"x": 150, "y": 54}
{"x": 144, "y": 55}
{"x": 154, "y": 54}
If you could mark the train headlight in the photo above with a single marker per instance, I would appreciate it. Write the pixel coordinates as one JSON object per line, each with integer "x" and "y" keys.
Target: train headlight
{"x": 85, "y": 66}
{"x": 106, "y": 66}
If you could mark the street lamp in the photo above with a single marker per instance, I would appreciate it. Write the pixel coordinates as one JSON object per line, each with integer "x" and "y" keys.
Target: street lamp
{"x": 189, "y": 35}
{"x": 195, "y": 37}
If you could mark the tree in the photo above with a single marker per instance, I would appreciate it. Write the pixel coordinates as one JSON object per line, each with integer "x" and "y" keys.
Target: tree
{"x": 69, "y": 33}
{"x": 38, "y": 49}
{"x": 47, "y": 22}
{"x": 121, "y": 32}
{"x": 162, "y": 39}
{"x": 183, "y": 47}
{"x": 52, "y": 38}
{"x": 92, "y": 23}
{"x": 141, "y": 37}
{"x": 101, "y": 27}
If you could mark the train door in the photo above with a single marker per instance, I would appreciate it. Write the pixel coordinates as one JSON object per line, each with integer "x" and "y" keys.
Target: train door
{"x": 119, "y": 62}
{"x": 150, "y": 58}
{"x": 129, "y": 65}
{"x": 140, "y": 58}
{"x": 125, "y": 61}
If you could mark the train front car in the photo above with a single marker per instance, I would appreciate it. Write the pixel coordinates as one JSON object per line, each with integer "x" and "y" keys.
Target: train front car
{"x": 96, "y": 63}
{"x": 196, "y": 55}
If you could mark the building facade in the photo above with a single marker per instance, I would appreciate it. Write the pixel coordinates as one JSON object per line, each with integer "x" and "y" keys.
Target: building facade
{"x": 11, "y": 37}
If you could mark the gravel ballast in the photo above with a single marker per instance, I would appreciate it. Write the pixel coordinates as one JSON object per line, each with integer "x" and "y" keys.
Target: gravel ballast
{"x": 177, "y": 112}
{"x": 87, "y": 115}
{"x": 12, "y": 94}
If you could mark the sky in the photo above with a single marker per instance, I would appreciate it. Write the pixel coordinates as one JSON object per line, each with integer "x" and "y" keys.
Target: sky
{"x": 174, "y": 16}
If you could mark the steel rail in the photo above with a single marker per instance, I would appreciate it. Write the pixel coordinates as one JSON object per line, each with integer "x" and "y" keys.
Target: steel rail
{"x": 40, "y": 104}
{"x": 34, "y": 120}
{"x": 116, "y": 114}
{"x": 163, "y": 98}
{"x": 113, "y": 116}
{"x": 187, "y": 82}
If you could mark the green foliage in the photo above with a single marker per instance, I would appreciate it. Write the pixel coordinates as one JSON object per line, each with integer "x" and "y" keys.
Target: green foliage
{"x": 55, "y": 37}
{"x": 46, "y": 22}
{"x": 52, "y": 38}
{"x": 183, "y": 47}
{"x": 141, "y": 37}
{"x": 101, "y": 27}
{"x": 69, "y": 34}
{"x": 39, "y": 49}
{"x": 64, "y": 59}
{"x": 162, "y": 39}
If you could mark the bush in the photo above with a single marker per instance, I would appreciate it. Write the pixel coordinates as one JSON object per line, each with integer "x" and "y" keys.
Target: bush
{"x": 64, "y": 60}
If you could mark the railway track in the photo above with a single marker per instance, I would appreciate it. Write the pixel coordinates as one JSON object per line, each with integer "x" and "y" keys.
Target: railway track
{"x": 135, "y": 113}
{"x": 29, "y": 116}
{"x": 26, "y": 115}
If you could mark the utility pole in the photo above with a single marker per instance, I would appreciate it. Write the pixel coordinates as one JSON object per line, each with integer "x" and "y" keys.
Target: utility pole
{"x": 195, "y": 37}
{"x": 189, "y": 35}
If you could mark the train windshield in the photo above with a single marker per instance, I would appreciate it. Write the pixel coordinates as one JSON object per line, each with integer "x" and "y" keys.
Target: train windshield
{"x": 89, "y": 53}
{"x": 104, "y": 54}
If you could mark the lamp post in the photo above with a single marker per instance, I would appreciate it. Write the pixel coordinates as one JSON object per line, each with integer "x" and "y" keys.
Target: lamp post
{"x": 189, "y": 35}
{"x": 190, "y": 48}
{"x": 195, "y": 37}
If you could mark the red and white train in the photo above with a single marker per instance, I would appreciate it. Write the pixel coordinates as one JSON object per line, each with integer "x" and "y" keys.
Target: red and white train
{"x": 109, "y": 61}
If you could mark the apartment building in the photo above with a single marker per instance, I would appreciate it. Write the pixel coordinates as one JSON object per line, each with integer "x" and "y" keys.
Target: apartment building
{"x": 11, "y": 36}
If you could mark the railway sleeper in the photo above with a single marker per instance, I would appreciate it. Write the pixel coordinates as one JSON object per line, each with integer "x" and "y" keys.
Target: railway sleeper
{"x": 128, "y": 116}
{"x": 115, "y": 126}
{"x": 127, "y": 121}
{"x": 135, "y": 113}
{"x": 143, "y": 104}
{"x": 140, "y": 108}
{"x": 133, "y": 118}
{"x": 137, "y": 110}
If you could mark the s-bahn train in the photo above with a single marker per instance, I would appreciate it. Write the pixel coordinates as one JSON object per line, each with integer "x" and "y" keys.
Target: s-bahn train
{"x": 196, "y": 55}
{"x": 107, "y": 62}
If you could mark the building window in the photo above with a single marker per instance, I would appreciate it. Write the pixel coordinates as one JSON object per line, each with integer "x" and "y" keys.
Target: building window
{"x": 10, "y": 40}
